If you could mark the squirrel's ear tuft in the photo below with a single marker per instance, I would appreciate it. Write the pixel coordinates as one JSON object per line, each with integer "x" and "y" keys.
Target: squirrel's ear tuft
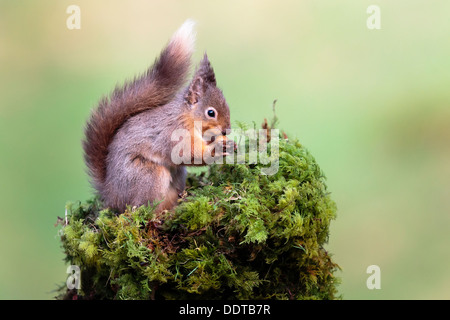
{"x": 203, "y": 77}
{"x": 206, "y": 72}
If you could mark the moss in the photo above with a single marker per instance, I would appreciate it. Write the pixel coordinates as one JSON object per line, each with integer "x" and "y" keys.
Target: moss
{"x": 236, "y": 234}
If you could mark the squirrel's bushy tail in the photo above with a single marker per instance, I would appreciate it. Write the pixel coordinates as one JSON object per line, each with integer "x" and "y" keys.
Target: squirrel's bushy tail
{"x": 156, "y": 87}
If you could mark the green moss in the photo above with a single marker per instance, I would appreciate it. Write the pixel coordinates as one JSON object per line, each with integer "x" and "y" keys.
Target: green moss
{"x": 236, "y": 234}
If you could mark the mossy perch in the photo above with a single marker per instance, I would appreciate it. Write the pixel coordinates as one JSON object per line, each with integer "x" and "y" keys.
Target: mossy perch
{"x": 236, "y": 234}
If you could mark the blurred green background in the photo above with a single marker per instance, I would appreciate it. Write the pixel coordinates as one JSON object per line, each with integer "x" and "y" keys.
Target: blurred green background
{"x": 373, "y": 107}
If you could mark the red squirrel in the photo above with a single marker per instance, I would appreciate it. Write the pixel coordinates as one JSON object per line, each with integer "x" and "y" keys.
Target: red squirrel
{"x": 128, "y": 144}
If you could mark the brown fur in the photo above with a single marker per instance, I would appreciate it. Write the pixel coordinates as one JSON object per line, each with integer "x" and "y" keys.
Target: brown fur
{"x": 156, "y": 87}
{"x": 127, "y": 145}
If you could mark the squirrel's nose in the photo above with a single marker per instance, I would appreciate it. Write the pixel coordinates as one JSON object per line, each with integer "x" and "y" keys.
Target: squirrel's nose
{"x": 226, "y": 132}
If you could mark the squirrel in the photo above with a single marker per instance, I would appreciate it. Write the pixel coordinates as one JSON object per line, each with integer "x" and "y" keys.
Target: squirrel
{"x": 128, "y": 137}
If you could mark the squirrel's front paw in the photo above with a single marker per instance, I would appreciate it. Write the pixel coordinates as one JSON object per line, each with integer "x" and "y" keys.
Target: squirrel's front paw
{"x": 220, "y": 147}
{"x": 229, "y": 147}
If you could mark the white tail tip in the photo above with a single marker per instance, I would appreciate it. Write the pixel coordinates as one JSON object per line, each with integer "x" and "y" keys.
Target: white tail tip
{"x": 185, "y": 35}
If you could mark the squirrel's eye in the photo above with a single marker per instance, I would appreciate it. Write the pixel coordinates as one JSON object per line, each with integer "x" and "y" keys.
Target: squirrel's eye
{"x": 211, "y": 113}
